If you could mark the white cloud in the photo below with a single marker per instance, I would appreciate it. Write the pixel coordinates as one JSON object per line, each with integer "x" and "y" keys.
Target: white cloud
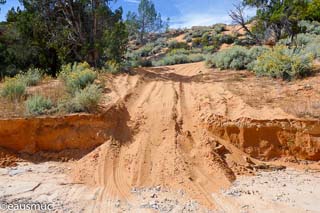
{"x": 198, "y": 19}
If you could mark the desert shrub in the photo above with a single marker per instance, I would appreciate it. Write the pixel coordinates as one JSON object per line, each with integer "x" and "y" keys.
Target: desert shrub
{"x": 38, "y": 105}
{"x": 85, "y": 100}
{"x": 145, "y": 51}
{"x": 310, "y": 27}
{"x": 32, "y": 77}
{"x": 226, "y": 39}
{"x": 77, "y": 76}
{"x": 237, "y": 57}
{"x": 218, "y": 28}
{"x": 178, "y": 52}
{"x": 313, "y": 48}
{"x": 284, "y": 63}
{"x": 209, "y": 49}
{"x": 177, "y": 45}
{"x": 196, "y": 42}
{"x": 233, "y": 58}
{"x": 161, "y": 42}
{"x": 188, "y": 39}
{"x": 178, "y": 59}
{"x": 112, "y": 67}
{"x": 141, "y": 62}
{"x": 301, "y": 40}
{"x": 253, "y": 54}
{"x": 205, "y": 39}
{"x": 13, "y": 88}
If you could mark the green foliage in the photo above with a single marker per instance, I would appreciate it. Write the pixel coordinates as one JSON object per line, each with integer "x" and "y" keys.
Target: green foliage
{"x": 13, "y": 88}
{"x": 209, "y": 49}
{"x": 237, "y": 58}
{"x": 278, "y": 18}
{"x": 42, "y": 36}
{"x": 233, "y": 58}
{"x": 310, "y": 27}
{"x": 85, "y": 100}
{"x": 218, "y": 28}
{"x": 38, "y": 105}
{"x": 32, "y": 77}
{"x": 310, "y": 43}
{"x": 313, "y": 11}
{"x": 77, "y": 76}
{"x": 177, "y": 45}
{"x": 146, "y": 21}
{"x": 178, "y": 59}
{"x": 113, "y": 67}
{"x": 196, "y": 42}
{"x": 284, "y": 63}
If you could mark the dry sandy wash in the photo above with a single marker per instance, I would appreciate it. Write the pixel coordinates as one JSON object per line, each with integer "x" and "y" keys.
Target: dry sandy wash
{"x": 169, "y": 139}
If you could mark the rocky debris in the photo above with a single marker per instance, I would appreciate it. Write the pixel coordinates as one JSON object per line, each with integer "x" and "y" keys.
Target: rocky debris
{"x": 286, "y": 190}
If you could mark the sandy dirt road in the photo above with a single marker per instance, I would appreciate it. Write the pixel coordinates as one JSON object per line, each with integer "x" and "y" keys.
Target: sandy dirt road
{"x": 182, "y": 138}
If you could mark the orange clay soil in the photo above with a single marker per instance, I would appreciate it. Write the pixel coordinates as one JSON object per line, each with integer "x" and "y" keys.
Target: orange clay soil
{"x": 179, "y": 127}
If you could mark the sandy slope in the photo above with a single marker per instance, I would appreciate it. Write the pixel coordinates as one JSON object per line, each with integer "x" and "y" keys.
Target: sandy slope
{"x": 166, "y": 142}
{"x": 181, "y": 127}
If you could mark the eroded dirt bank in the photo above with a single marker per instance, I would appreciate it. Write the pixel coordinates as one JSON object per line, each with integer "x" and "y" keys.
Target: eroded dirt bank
{"x": 176, "y": 127}
{"x": 270, "y": 139}
{"x": 57, "y": 134}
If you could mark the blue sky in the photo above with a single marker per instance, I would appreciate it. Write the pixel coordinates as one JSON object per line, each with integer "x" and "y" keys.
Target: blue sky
{"x": 183, "y": 13}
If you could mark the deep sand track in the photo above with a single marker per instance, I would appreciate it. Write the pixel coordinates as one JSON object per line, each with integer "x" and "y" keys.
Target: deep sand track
{"x": 176, "y": 128}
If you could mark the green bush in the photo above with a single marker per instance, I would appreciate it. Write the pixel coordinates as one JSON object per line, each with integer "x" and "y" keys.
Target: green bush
{"x": 218, "y": 28}
{"x": 77, "y": 76}
{"x": 112, "y": 67}
{"x": 178, "y": 59}
{"x": 284, "y": 63}
{"x": 32, "y": 77}
{"x": 38, "y": 105}
{"x": 226, "y": 39}
{"x": 177, "y": 45}
{"x": 310, "y": 27}
{"x": 233, "y": 58}
{"x": 13, "y": 88}
{"x": 209, "y": 49}
{"x": 85, "y": 100}
{"x": 237, "y": 58}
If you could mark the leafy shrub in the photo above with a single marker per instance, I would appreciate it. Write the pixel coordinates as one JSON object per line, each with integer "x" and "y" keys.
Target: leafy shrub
{"x": 233, "y": 58}
{"x": 226, "y": 39}
{"x": 38, "y": 105}
{"x": 177, "y": 45}
{"x": 197, "y": 42}
{"x": 310, "y": 27}
{"x": 141, "y": 62}
{"x": 113, "y": 67}
{"x": 284, "y": 63}
{"x": 77, "y": 76}
{"x": 13, "y": 88}
{"x": 32, "y": 77}
{"x": 178, "y": 52}
{"x": 218, "y": 28}
{"x": 313, "y": 48}
{"x": 236, "y": 57}
{"x": 145, "y": 50}
{"x": 209, "y": 49}
{"x": 178, "y": 59}
{"x": 85, "y": 100}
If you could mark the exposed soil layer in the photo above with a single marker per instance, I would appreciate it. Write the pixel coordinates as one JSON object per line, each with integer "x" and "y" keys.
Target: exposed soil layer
{"x": 177, "y": 127}
{"x": 270, "y": 139}
{"x": 57, "y": 134}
